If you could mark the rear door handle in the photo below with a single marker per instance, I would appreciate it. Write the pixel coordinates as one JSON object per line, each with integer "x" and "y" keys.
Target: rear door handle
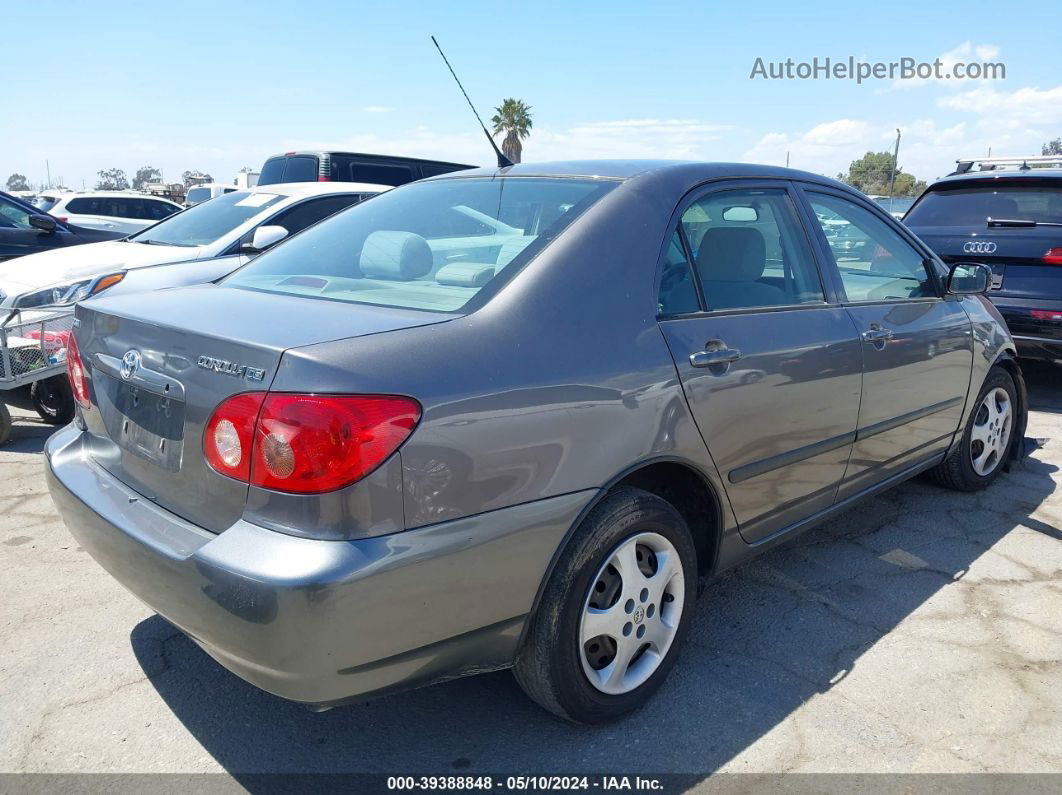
{"x": 877, "y": 335}
{"x": 716, "y": 357}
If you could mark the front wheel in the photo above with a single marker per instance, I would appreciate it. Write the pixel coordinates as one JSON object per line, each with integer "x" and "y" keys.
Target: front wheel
{"x": 986, "y": 441}
{"x": 614, "y": 613}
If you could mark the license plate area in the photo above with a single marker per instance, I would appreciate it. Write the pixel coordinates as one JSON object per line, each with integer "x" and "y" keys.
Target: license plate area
{"x": 141, "y": 422}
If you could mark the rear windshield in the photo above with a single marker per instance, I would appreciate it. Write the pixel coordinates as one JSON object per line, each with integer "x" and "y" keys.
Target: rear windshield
{"x": 429, "y": 245}
{"x": 195, "y": 195}
{"x": 206, "y": 222}
{"x": 45, "y": 203}
{"x": 289, "y": 168}
{"x": 973, "y": 206}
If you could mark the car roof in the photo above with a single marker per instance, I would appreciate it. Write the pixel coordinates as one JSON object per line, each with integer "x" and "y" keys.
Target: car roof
{"x": 317, "y": 188}
{"x": 678, "y": 171}
{"x": 1009, "y": 174}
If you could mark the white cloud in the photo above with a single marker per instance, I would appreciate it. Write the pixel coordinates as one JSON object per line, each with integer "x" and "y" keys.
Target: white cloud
{"x": 378, "y": 109}
{"x": 1029, "y": 105}
{"x": 965, "y": 53}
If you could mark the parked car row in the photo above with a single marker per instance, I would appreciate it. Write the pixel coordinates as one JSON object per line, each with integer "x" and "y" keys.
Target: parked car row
{"x": 507, "y": 417}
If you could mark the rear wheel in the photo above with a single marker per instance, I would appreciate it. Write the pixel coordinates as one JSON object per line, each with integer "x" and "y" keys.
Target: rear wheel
{"x": 53, "y": 399}
{"x": 614, "y": 613}
{"x": 986, "y": 441}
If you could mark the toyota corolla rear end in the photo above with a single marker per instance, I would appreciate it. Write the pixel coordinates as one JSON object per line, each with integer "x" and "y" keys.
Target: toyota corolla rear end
{"x": 256, "y": 497}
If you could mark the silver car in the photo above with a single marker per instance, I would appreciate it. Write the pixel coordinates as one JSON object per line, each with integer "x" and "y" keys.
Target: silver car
{"x": 512, "y": 418}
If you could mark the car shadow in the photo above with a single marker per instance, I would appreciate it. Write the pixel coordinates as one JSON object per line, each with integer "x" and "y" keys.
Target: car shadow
{"x": 765, "y": 639}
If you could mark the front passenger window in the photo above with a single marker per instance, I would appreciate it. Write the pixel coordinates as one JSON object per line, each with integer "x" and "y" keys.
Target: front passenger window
{"x": 875, "y": 262}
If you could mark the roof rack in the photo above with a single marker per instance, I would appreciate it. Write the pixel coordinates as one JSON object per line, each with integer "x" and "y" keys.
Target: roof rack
{"x": 965, "y": 165}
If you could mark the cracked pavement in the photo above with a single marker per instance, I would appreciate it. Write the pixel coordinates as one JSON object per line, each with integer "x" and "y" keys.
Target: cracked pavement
{"x": 919, "y": 632}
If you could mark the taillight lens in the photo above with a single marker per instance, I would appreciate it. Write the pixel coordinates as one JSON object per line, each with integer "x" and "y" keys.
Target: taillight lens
{"x": 75, "y": 370}
{"x": 306, "y": 444}
{"x": 229, "y": 436}
{"x": 1046, "y": 314}
{"x": 1053, "y": 256}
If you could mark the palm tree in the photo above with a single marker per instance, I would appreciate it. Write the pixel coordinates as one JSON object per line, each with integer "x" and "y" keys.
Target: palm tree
{"x": 513, "y": 118}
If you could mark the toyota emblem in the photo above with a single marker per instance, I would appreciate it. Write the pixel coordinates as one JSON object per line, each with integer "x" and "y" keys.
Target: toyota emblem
{"x": 130, "y": 364}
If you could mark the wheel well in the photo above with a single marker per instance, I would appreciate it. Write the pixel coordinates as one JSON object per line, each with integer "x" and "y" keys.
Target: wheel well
{"x": 692, "y": 497}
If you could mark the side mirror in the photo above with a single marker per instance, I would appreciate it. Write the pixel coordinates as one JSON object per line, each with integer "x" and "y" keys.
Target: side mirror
{"x": 264, "y": 237}
{"x": 969, "y": 278}
{"x": 43, "y": 222}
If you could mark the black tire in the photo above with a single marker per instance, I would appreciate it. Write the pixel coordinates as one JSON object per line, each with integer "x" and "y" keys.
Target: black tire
{"x": 53, "y": 400}
{"x": 5, "y": 423}
{"x": 549, "y": 666}
{"x": 957, "y": 471}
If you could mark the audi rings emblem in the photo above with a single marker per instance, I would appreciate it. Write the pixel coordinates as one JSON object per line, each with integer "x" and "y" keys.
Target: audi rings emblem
{"x": 979, "y": 247}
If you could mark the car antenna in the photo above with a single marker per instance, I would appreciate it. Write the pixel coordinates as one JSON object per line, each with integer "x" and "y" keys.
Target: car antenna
{"x": 503, "y": 161}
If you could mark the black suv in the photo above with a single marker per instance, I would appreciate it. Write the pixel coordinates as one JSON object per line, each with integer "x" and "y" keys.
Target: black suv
{"x": 351, "y": 167}
{"x": 1007, "y": 215}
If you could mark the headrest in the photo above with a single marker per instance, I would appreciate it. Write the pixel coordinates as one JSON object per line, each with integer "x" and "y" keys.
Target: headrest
{"x": 512, "y": 247}
{"x": 395, "y": 255}
{"x": 465, "y": 274}
{"x": 732, "y": 254}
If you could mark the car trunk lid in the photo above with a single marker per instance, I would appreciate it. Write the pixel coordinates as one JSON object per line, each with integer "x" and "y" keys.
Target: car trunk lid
{"x": 160, "y": 363}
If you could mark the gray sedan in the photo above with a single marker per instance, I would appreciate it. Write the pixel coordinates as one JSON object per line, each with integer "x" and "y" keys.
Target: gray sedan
{"x": 511, "y": 418}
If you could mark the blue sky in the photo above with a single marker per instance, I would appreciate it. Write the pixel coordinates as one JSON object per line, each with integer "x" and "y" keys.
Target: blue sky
{"x": 220, "y": 85}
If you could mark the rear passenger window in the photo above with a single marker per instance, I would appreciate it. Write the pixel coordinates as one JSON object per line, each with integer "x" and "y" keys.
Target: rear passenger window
{"x": 678, "y": 295}
{"x": 749, "y": 250}
{"x": 875, "y": 262}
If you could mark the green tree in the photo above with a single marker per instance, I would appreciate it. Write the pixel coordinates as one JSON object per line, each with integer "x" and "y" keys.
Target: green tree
{"x": 112, "y": 179}
{"x": 513, "y": 118}
{"x": 1052, "y": 147}
{"x": 871, "y": 174}
{"x": 17, "y": 182}
{"x": 144, "y": 175}
{"x": 191, "y": 178}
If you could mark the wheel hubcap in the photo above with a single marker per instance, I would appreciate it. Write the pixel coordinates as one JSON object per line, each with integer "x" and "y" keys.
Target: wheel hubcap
{"x": 632, "y": 613}
{"x": 991, "y": 431}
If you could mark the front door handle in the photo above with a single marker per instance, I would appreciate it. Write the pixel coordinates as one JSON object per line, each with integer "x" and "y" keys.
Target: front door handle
{"x": 876, "y": 334}
{"x": 714, "y": 358}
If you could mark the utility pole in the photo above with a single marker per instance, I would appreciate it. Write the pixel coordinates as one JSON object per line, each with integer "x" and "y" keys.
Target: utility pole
{"x": 895, "y": 161}
{"x": 48, "y": 168}
{"x": 787, "y": 159}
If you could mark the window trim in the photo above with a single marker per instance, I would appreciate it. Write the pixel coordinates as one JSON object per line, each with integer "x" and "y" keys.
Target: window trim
{"x": 825, "y": 253}
{"x": 726, "y": 185}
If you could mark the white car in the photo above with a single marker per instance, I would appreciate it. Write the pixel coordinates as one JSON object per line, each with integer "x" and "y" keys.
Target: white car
{"x": 239, "y": 224}
{"x": 208, "y": 190}
{"x": 114, "y": 211}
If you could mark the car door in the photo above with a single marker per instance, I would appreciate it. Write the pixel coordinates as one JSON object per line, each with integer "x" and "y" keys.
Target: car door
{"x": 917, "y": 345}
{"x": 18, "y": 237}
{"x": 770, "y": 364}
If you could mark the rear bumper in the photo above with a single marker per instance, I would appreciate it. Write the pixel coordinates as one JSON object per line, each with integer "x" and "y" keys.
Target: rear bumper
{"x": 321, "y": 622}
{"x": 1035, "y": 338}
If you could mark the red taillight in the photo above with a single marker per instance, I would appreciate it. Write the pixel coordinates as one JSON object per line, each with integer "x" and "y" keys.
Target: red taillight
{"x": 323, "y": 178}
{"x": 1046, "y": 314}
{"x": 306, "y": 444}
{"x": 229, "y": 436}
{"x": 75, "y": 370}
{"x": 1053, "y": 256}
{"x": 63, "y": 218}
